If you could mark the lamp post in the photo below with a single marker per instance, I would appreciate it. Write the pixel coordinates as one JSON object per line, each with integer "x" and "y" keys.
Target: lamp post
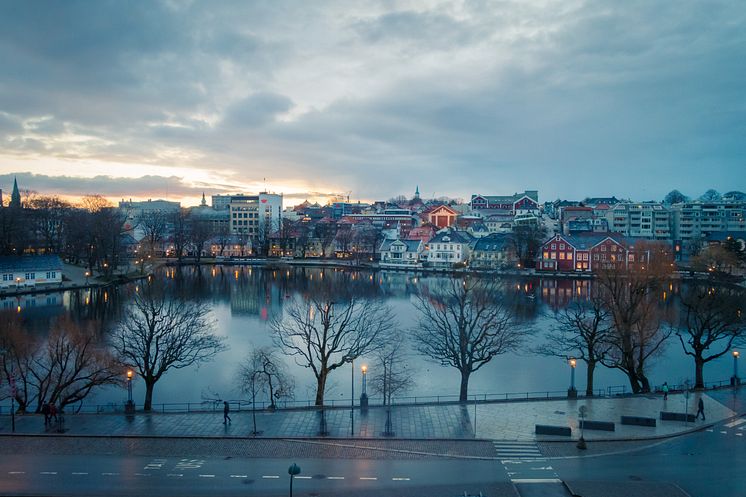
{"x": 130, "y": 407}
{"x": 572, "y": 393}
{"x": 364, "y": 395}
{"x": 87, "y": 274}
{"x": 352, "y": 398}
{"x": 293, "y": 470}
{"x": 735, "y": 381}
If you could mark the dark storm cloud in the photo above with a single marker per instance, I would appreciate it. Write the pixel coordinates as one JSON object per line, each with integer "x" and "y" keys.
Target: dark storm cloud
{"x": 572, "y": 98}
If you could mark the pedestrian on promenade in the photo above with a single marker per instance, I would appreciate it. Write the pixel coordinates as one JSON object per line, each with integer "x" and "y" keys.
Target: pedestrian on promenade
{"x": 700, "y": 409}
{"x": 665, "y": 390}
{"x": 226, "y": 410}
{"x": 45, "y": 411}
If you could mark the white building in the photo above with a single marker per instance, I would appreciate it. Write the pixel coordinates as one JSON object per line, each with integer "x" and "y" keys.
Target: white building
{"x": 254, "y": 214}
{"x": 401, "y": 253}
{"x": 692, "y": 220}
{"x": 18, "y": 271}
{"x": 447, "y": 248}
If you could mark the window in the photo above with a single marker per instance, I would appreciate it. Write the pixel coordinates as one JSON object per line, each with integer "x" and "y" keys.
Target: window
{"x": 562, "y": 246}
{"x": 30, "y": 276}
{"x": 595, "y": 257}
{"x": 603, "y": 248}
{"x": 546, "y": 255}
{"x": 613, "y": 248}
{"x": 51, "y": 275}
{"x": 631, "y": 257}
{"x": 569, "y": 256}
{"x": 7, "y": 277}
{"x": 554, "y": 246}
{"x": 553, "y": 255}
{"x": 562, "y": 256}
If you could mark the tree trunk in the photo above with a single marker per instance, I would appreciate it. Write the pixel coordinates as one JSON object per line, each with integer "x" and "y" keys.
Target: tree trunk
{"x": 699, "y": 379}
{"x": 644, "y": 383}
{"x": 320, "y": 388}
{"x": 148, "y": 405}
{"x": 589, "y": 378}
{"x": 633, "y": 381}
{"x": 463, "y": 393}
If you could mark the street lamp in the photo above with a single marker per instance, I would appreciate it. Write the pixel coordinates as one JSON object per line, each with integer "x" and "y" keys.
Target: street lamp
{"x": 572, "y": 393}
{"x": 130, "y": 407}
{"x": 352, "y": 398}
{"x": 364, "y": 395}
{"x": 87, "y": 274}
{"x": 293, "y": 470}
{"x": 735, "y": 381}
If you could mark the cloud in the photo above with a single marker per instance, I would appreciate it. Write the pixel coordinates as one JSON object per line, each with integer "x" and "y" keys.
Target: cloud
{"x": 574, "y": 98}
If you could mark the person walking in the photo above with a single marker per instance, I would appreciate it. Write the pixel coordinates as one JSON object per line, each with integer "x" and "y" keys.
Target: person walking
{"x": 665, "y": 390}
{"x": 226, "y": 410}
{"x": 700, "y": 409}
{"x": 52, "y": 412}
{"x": 45, "y": 411}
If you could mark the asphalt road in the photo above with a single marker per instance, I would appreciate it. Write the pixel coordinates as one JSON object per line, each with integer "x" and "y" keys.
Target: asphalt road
{"x": 704, "y": 464}
{"x": 143, "y": 476}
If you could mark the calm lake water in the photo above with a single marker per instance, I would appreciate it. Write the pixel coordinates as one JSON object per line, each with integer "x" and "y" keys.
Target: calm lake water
{"x": 244, "y": 299}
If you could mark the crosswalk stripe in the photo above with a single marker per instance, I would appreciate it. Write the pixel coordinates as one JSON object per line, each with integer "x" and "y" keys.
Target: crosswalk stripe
{"x": 735, "y": 423}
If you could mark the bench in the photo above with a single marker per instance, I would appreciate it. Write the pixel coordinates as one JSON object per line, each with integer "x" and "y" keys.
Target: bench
{"x": 677, "y": 416}
{"x": 597, "y": 425}
{"x": 638, "y": 421}
{"x": 562, "y": 431}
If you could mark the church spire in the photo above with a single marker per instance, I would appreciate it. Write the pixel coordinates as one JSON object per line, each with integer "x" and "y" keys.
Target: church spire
{"x": 15, "y": 197}
{"x": 204, "y": 202}
{"x": 417, "y": 192}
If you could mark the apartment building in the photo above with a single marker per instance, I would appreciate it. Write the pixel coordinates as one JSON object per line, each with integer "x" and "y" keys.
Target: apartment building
{"x": 691, "y": 220}
{"x": 646, "y": 220}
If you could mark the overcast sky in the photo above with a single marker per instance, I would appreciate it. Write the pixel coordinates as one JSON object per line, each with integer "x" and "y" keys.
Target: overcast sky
{"x": 573, "y": 98}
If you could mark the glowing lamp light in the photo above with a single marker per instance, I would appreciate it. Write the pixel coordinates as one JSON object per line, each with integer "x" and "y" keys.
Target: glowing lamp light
{"x": 573, "y": 363}
{"x": 129, "y": 374}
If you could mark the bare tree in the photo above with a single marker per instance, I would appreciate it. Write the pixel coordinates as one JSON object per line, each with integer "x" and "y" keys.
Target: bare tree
{"x": 323, "y": 335}
{"x": 180, "y": 221}
{"x": 160, "y": 332}
{"x": 712, "y": 322}
{"x": 465, "y": 325}
{"x": 392, "y": 376}
{"x": 717, "y": 259}
{"x": 325, "y": 231}
{"x": 264, "y": 372}
{"x": 582, "y": 331}
{"x": 629, "y": 294}
{"x": 223, "y": 237}
{"x": 62, "y": 368}
{"x": 526, "y": 241}
{"x": 153, "y": 224}
{"x": 200, "y": 230}
{"x": 48, "y": 217}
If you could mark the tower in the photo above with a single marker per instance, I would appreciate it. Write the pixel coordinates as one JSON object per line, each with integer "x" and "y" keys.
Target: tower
{"x": 204, "y": 201}
{"x": 15, "y": 197}
{"x": 417, "y": 191}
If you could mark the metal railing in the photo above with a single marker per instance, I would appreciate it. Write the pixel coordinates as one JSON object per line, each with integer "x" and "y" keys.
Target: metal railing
{"x": 237, "y": 405}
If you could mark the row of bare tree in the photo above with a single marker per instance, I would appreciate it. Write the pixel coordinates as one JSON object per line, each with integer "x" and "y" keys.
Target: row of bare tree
{"x": 463, "y": 324}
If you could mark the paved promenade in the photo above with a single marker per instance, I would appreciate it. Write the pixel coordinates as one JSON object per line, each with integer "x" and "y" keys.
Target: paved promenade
{"x": 497, "y": 421}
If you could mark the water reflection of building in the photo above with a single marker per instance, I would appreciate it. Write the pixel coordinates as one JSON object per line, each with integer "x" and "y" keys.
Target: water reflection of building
{"x": 43, "y": 304}
{"x": 256, "y": 294}
{"x": 558, "y": 293}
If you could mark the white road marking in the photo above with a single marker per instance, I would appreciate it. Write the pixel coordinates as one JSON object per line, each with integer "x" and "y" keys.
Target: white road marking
{"x": 141, "y": 474}
{"x": 735, "y": 423}
{"x": 335, "y": 477}
{"x": 176, "y": 475}
{"x": 542, "y": 468}
{"x": 206, "y": 476}
{"x": 368, "y": 478}
{"x": 109, "y": 474}
{"x": 723, "y": 432}
{"x": 270, "y": 477}
{"x": 536, "y": 480}
{"x": 241, "y": 476}
{"x": 303, "y": 477}
{"x": 78, "y": 473}
{"x": 47, "y": 472}
{"x": 399, "y": 478}
{"x": 739, "y": 434}
{"x": 16, "y": 472}
{"x": 709, "y": 430}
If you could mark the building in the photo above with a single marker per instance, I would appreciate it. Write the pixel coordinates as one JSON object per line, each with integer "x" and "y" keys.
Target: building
{"x": 573, "y": 213}
{"x": 448, "y": 248}
{"x": 401, "y": 253}
{"x": 29, "y": 270}
{"x": 440, "y": 216}
{"x": 253, "y": 215}
{"x": 646, "y": 220}
{"x": 518, "y": 203}
{"x": 135, "y": 211}
{"x": 695, "y": 220}
{"x": 592, "y": 252}
{"x": 495, "y": 251}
